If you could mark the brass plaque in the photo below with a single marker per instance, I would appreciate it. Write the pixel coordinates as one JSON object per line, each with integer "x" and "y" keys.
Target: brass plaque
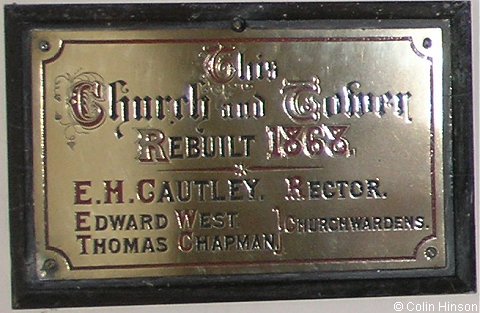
{"x": 202, "y": 152}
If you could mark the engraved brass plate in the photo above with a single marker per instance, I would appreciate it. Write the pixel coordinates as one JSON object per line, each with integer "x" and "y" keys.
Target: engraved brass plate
{"x": 201, "y": 152}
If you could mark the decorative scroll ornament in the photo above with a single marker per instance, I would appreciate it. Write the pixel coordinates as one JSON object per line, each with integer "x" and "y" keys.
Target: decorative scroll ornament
{"x": 81, "y": 95}
{"x": 240, "y": 170}
{"x": 301, "y": 100}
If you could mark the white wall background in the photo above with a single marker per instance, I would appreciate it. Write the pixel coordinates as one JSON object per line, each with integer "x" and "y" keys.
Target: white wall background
{"x": 361, "y": 305}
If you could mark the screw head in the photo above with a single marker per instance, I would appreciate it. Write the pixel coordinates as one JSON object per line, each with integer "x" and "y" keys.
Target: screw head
{"x": 50, "y": 265}
{"x": 427, "y": 43}
{"x": 44, "y": 46}
{"x": 430, "y": 253}
{"x": 238, "y": 24}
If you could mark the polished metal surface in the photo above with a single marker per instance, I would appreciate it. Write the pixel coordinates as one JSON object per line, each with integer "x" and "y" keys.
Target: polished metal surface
{"x": 201, "y": 152}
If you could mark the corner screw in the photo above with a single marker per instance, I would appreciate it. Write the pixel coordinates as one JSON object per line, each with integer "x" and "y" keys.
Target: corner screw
{"x": 44, "y": 46}
{"x": 431, "y": 253}
{"x": 238, "y": 24}
{"x": 49, "y": 266}
{"x": 427, "y": 43}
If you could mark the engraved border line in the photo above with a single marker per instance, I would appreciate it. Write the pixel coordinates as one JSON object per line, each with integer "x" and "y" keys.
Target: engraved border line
{"x": 247, "y": 168}
{"x": 238, "y": 40}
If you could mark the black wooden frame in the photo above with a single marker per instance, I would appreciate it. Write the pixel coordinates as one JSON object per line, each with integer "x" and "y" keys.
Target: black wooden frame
{"x": 29, "y": 292}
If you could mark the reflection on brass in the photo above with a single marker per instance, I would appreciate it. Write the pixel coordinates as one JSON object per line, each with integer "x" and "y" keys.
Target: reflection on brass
{"x": 193, "y": 152}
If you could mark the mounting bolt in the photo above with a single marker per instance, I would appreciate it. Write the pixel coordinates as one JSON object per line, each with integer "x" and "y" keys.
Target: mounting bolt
{"x": 430, "y": 253}
{"x": 49, "y": 266}
{"x": 44, "y": 46}
{"x": 238, "y": 24}
{"x": 427, "y": 43}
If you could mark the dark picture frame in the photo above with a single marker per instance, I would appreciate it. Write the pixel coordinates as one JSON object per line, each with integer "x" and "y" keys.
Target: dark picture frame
{"x": 30, "y": 292}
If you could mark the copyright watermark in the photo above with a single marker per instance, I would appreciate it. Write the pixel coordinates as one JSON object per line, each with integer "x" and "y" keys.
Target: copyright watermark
{"x": 440, "y": 306}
